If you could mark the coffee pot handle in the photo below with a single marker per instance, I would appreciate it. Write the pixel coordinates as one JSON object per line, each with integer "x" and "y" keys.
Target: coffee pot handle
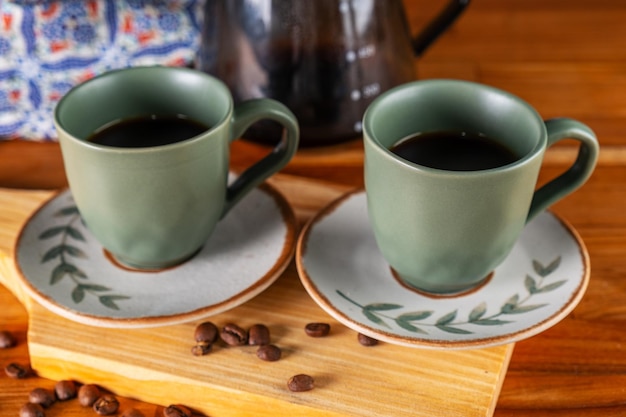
{"x": 244, "y": 115}
{"x": 438, "y": 25}
{"x": 577, "y": 174}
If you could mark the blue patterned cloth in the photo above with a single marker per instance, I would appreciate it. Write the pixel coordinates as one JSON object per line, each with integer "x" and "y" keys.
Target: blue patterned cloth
{"x": 48, "y": 46}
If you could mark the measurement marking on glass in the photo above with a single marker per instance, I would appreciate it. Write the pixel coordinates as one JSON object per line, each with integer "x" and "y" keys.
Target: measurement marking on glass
{"x": 367, "y": 51}
{"x": 371, "y": 90}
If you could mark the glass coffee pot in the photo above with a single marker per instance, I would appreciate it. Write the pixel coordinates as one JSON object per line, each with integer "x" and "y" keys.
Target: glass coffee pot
{"x": 325, "y": 59}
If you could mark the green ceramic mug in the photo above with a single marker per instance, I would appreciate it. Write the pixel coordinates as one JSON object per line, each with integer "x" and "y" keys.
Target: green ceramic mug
{"x": 444, "y": 231}
{"x": 153, "y": 207}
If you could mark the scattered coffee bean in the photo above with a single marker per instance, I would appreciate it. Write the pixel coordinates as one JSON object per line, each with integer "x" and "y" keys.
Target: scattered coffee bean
{"x": 43, "y": 397}
{"x": 32, "y": 410}
{"x": 65, "y": 390}
{"x": 201, "y": 349}
{"x": 258, "y": 335}
{"x": 106, "y": 405}
{"x": 7, "y": 340}
{"x": 88, "y": 394}
{"x": 234, "y": 335}
{"x": 176, "y": 410}
{"x": 300, "y": 383}
{"x": 132, "y": 412}
{"x": 206, "y": 333}
{"x": 366, "y": 340}
{"x": 317, "y": 329}
{"x": 270, "y": 353}
{"x": 15, "y": 370}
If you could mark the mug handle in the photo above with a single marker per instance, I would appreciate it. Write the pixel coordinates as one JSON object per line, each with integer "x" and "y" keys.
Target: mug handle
{"x": 577, "y": 174}
{"x": 438, "y": 25}
{"x": 245, "y": 114}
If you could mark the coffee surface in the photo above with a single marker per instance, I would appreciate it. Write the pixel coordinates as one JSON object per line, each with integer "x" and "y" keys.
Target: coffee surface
{"x": 146, "y": 131}
{"x": 454, "y": 151}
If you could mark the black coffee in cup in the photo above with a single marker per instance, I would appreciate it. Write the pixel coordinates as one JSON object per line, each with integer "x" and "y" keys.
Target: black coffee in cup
{"x": 454, "y": 151}
{"x": 148, "y": 130}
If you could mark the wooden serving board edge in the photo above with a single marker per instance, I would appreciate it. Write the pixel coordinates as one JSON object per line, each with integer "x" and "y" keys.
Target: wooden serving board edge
{"x": 61, "y": 349}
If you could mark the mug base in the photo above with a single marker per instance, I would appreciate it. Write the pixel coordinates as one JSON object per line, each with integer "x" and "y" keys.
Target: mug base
{"x": 441, "y": 291}
{"x": 121, "y": 262}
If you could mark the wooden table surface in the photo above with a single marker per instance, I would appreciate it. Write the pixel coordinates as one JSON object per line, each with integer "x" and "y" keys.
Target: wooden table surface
{"x": 566, "y": 57}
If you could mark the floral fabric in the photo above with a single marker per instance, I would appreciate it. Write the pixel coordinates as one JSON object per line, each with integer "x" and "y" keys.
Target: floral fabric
{"x": 48, "y": 46}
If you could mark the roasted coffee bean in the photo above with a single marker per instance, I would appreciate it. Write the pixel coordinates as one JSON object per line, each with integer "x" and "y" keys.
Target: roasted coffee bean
{"x": 88, "y": 394}
{"x": 65, "y": 390}
{"x": 106, "y": 405}
{"x": 176, "y": 410}
{"x": 317, "y": 329}
{"x": 270, "y": 353}
{"x": 234, "y": 335}
{"x": 258, "y": 335}
{"x": 32, "y": 410}
{"x": 133, "y": 412}
{"x": 15, "y": 370}
{"x": 201, "y": 349}
{"x": 43, "y": 397}
{"x": 7, "y": 340}
{"x": 366, "y": 340}
{"x": 300, "y": 383}
{"x": 206, "y": 332}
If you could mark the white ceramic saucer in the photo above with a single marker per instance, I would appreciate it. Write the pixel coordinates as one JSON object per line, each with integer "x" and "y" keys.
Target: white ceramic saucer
{"x": 539, "y": 283}
{"x": 64, "y": 268}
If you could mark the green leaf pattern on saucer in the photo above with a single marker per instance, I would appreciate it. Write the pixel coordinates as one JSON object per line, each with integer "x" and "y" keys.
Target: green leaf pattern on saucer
{"x": 61, "y": 265}
{"x": 517, "y": 304}
{"x": 66, "y": 237}
{"x": 537, "y": 285}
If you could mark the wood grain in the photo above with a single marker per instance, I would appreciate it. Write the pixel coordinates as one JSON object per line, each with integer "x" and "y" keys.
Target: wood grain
{"x": 565, "y": 57}
{"x": 155, "y": 365}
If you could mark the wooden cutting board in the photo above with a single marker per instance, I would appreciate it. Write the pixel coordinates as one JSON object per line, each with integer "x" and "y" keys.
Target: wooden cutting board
{"x": 155, "y": 364}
